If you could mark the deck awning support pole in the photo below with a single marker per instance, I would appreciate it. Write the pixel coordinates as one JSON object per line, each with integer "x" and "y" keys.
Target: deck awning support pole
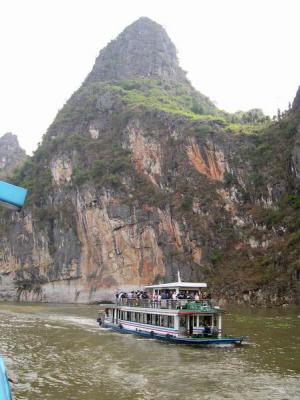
{"x": 176, "y": 323}
{"x": 219, "y": 323}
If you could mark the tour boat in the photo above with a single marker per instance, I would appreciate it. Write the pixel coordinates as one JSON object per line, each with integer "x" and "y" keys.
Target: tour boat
{"x": 174, "y": 320}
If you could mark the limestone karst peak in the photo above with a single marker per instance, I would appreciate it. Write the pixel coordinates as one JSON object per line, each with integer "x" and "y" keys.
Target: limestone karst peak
{"x": 9, "y": 137}
{"x": 142, "y": 50}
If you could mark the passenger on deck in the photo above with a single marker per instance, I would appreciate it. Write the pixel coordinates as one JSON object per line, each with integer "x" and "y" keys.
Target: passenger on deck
{"x": 207, "y": 330}
{"x": 215, "y": 331}
{"x": 190, "y": 296}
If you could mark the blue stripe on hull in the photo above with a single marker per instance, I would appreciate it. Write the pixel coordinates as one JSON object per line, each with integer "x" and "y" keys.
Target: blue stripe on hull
{"x": 176, "y": 340}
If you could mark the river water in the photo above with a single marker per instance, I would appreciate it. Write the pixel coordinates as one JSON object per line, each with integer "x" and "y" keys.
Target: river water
{"x": 58, "y": 352}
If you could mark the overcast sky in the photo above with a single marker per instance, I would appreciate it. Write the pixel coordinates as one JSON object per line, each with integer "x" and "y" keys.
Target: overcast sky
{"x": 241, "y": 53}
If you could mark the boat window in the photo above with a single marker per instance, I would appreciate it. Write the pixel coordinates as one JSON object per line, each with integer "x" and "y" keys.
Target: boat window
{"x": 164, "y": 320}
{"x": 149, "y": 319}
{"x": 145, "y": 318}
{"x": 195, "y": 320}
{"x": 156, "y": 319}
{"x": 170, "y": 322}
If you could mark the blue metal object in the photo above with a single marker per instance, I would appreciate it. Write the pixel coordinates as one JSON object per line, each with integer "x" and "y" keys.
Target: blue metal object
{"x": 12, "y": 196}
{"x": 4, "y": 386}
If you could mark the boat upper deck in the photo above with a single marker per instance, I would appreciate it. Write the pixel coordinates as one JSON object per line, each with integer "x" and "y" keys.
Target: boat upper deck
{"x": 165, "y": 306}
{"x": 174, "y": 297}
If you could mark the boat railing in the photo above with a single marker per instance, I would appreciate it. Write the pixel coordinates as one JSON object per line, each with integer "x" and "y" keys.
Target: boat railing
{"x": 168, "y": 304}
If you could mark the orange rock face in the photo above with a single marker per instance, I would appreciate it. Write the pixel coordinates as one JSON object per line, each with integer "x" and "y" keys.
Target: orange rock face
{"x": 209, "y": 162}
{"x": 146, "y": 154}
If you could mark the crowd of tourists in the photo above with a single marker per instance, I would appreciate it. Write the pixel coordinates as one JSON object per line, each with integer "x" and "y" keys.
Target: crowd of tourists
{"x": 164, "y": 295}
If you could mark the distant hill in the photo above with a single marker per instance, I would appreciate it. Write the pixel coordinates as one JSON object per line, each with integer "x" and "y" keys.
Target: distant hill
{"x": 11, "y": 154}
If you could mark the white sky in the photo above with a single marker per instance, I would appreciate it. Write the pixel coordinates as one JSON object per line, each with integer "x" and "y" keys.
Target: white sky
{"x": 241, "y": 53}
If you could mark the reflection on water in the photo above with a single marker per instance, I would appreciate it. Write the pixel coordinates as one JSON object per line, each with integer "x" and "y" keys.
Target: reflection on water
{"x": 58, "y": 352}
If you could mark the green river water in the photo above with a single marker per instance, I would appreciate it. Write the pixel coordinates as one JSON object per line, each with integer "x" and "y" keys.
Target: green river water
{"x": 58, "y": 352}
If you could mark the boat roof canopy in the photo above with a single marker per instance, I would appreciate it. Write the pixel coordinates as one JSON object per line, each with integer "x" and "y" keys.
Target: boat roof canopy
{"x": 178, "y": 285}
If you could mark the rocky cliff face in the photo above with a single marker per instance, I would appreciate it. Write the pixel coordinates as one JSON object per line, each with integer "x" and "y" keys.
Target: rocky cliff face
{"x": 141, "y": 50}
{"x": 11, "y": 154}
{"x": 140, "y": 175}
{"x": 296, "y": 102}
{"x": 296, "y": 149}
